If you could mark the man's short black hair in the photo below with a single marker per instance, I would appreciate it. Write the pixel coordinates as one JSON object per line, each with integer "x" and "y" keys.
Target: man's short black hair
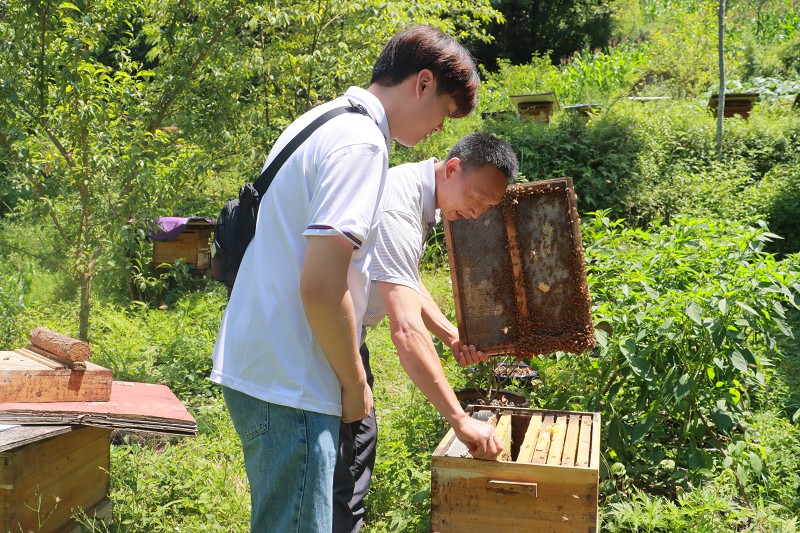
{"x": 423, "y": 47}
{"x": 478, "y": 149}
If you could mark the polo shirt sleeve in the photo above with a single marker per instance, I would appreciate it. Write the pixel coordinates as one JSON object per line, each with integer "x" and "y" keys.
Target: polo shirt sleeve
{"x": 398, "y": 248}
{"x": 346, "y": 198}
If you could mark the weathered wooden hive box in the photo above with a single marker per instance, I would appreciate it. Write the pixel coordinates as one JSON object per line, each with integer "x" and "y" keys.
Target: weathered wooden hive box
{"x": 546, "y": 480}
{"x": 735, "y": 104}
{"x": 191, "y": 245}
{"x": 539, "y": 107}
{"x": 52, "y": 469}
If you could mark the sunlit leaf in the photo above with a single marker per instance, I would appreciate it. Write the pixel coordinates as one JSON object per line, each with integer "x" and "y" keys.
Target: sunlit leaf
{"x": 695, "y": 312}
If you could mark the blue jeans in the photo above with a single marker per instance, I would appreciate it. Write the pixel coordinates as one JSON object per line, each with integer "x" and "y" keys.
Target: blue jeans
{"x": 289, "y": 456}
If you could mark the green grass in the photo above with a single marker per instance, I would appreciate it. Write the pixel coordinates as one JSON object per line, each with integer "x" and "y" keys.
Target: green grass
{"x": 198, "y": 484}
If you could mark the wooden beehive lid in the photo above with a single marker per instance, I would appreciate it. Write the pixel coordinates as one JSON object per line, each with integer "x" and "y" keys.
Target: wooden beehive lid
{"x": 198, "y": 224}
{"x": 539, "y": 437}
{"x": 15, "y": 436}
{"x": 735, "y": 97}
{"x": 145, "y": 407}
{"x": 734, "y": 101}
{"x": 518, "y": 274}
{"x": 536, "y": 101}
{"x": 648, "y": 98}
{"x": 524, "y": 101}
{"x": 583, "y": 109}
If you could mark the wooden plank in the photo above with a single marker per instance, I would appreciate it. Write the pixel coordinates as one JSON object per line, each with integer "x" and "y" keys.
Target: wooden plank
{"x": 558, "y": 434}
{"x": 78, "y": 477}
{"x": 503, "y": 430}
{"x": 447, "y": 441}
{"x": 516, "y": 261}
{"x": 571, "y": 440}
{"x": 525, "y": 454}
{"x": 584, "y": 441}
{"x": 186, "y": 246}
{"x": 595, "y": 457}
{"x": 33, "y": 353}
{"x": 59, "y": 466}
{"x": 26, "y": 376}
{"x": 33, "y": 458}
{"x": 565, "y": 499}
{"x": 132, "y": 406}
{"x": 18, "y": 436}
{"x": 543, "y": 443}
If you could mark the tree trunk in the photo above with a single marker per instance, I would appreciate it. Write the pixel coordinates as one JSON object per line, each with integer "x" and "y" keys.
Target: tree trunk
{"x": 85, "y": 308}
{"x": 721, "y": 99}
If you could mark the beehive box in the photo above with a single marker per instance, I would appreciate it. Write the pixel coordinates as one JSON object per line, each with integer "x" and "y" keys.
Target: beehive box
{"x": 547, "y": 482}
{"x": 56, "y": 469}
{"x": 519, "y": 279}
{"x": 539, "y": 107}
{"x": 192, "y": 246}
{"x": 735, "y": 104}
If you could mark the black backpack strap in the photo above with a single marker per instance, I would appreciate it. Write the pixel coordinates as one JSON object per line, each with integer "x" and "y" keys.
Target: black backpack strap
{"x": 266, "y": 177}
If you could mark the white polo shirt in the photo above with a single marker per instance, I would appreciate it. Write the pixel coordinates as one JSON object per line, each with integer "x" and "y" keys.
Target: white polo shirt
{"x": 408, "y": 211}
{"x": 331, "y": 185}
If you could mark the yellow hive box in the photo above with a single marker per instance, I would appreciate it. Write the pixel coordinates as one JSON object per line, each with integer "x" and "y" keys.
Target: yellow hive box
{"x": 549, "y": 482}
{"x": 52, "y": 469}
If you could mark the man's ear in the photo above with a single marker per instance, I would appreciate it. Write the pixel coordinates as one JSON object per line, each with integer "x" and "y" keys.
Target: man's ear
{"x": 452, "y": 168}
{"x": 424, "y": 81}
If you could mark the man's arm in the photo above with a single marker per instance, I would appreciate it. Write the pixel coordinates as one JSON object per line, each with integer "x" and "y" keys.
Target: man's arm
{"x": 439, "y": 325}
{"x": 329, "y": 310}
{"x": 420, "y": 361}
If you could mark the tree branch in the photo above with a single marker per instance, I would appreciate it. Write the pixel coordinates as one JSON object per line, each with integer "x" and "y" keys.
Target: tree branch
{"x": 67, "y": 155}
{"x": 167, "y": 101}
{"x": 205, "y": 50}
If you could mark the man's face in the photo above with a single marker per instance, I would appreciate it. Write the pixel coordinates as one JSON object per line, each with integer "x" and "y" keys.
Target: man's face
{"x": 469, "y": 194}
{"x": 426, "y": 115}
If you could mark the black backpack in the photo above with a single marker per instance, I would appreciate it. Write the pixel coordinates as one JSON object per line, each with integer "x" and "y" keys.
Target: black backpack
{"x": 236, "y": 224}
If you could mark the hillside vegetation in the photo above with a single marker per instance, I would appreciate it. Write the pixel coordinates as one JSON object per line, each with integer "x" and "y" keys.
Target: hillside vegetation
{"x": 115, "y": 112}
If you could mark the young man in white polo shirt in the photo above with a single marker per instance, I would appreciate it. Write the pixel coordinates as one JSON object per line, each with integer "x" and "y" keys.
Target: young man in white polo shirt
{"x": 287, "y": 352}
{"x": 472, "y": 179}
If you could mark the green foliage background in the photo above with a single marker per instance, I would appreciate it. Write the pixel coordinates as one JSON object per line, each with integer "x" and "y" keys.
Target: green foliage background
{"x": 114, "y": 112}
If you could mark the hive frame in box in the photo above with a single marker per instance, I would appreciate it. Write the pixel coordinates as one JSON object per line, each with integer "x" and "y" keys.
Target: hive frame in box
{"x": 518, "y": 274}
{"x": 550, "y": 482}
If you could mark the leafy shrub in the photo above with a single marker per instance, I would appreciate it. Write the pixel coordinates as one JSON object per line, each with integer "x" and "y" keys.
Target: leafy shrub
{"x": 14, "y": 298}
{"x": 682, "y": 59}
{"x": 777, "y": 198}
{"x": 173, "y": 346}
{"x": 595, "y": 76}
{"x": 694, "y": 310}
{"x": 599, "y": 156}
{"x": 654, "y": 161}
{"x": 774, "y": 440}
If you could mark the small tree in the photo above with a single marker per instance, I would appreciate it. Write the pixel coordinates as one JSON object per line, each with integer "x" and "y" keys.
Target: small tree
{"x": 81, "y": 118}
{"x": 721, "y": 101}
{"x": 103, "y": 104}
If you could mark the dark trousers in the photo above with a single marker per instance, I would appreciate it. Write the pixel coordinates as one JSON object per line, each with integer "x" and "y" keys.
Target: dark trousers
{"x": 357, "y": 445}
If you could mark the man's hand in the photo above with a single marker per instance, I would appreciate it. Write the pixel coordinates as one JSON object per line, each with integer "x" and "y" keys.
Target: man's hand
{"x": 466, "y": 355}
{"x": 479, "y": 437}
{"x": 356, "y": 403}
